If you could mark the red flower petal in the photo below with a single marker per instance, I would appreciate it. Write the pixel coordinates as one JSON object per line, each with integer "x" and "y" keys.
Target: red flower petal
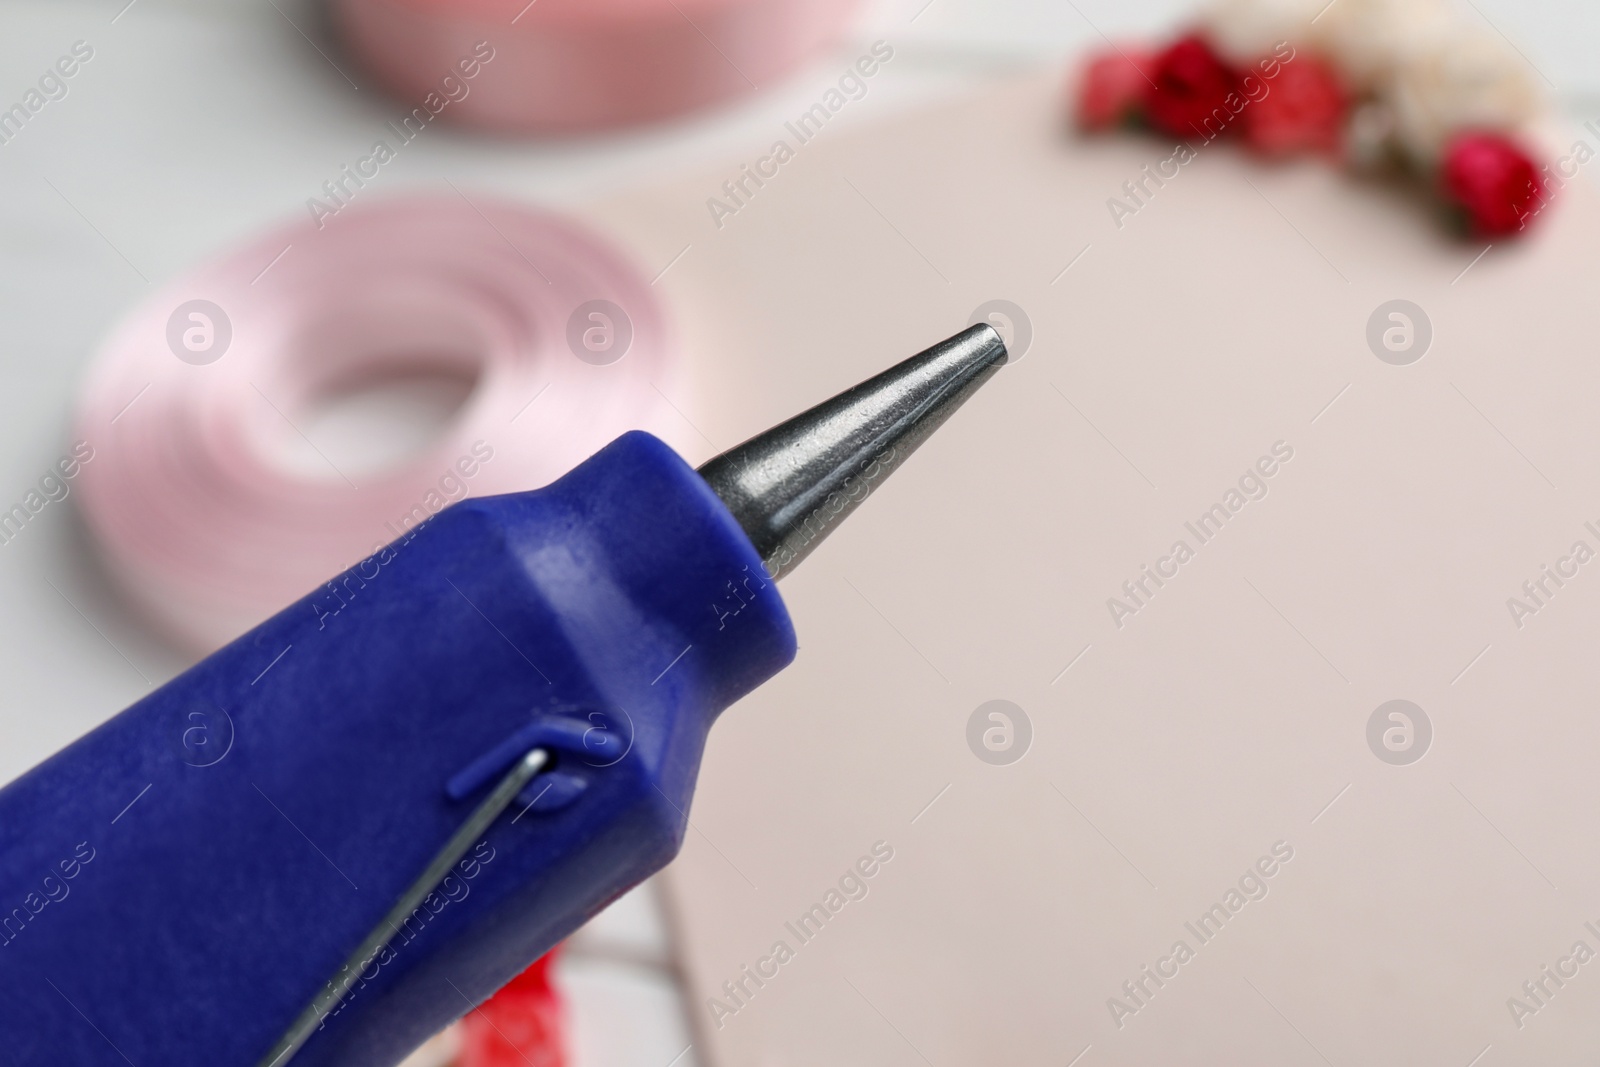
{"x": 1194, "y": 92}
{"x": 1111, "y": 89}
{"x": 1492, "y": 181}
{"x": 523, "y": 1025}
{"x": 1302, "y": 109}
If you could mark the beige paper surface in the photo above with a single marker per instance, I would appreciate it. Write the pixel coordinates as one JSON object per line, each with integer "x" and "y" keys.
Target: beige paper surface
{"x": 1169, "y": 754}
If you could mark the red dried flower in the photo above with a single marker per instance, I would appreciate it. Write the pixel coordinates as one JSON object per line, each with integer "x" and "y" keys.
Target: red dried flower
{"x": 1493, "y": 183}
{"x": 1302, "y": 109}
{"x": 523, "y": 1025}
{"x": 1111, "y": 89}
{"x": 1192, "y": 91}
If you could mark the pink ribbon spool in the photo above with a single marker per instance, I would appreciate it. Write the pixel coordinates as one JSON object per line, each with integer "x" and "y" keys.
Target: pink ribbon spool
{"x": 568, "y": 65}
{"x": 191, "y": 495}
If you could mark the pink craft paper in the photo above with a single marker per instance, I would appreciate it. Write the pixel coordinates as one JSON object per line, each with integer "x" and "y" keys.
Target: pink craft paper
{"x": 1230, "y": 312}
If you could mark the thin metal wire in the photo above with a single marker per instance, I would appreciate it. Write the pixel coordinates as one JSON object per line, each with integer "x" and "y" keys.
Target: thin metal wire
{"x": 344, "y": 979}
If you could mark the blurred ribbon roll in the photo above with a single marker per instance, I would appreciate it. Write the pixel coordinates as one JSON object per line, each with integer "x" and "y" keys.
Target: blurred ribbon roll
{"x": 212, "y": 505}
{"x": 569, "y": 65}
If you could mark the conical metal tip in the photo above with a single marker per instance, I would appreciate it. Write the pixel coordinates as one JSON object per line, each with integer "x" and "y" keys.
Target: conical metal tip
{"x": 790, "y": 486}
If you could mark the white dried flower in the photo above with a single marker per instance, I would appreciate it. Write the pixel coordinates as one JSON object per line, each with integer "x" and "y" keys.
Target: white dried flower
{"x": 1245, "y": 30}
{"x": 1465, "y": 80}
{"x": 1428, "y": 75}
{"x": 1369, "y": 40}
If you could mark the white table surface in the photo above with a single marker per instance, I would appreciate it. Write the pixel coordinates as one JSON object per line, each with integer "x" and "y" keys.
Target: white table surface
{"x": 200, "y": 122}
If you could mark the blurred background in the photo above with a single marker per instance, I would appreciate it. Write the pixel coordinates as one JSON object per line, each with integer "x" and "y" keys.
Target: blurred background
{"x": 200, "y": 123}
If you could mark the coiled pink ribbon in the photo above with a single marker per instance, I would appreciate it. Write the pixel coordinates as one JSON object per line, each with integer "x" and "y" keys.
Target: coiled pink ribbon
{"x": 563, "y": 65}
{"x": 191, "y": 495}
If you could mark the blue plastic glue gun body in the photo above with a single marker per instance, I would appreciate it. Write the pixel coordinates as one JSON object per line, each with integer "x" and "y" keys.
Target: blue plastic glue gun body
{"x": 186, "y": 881}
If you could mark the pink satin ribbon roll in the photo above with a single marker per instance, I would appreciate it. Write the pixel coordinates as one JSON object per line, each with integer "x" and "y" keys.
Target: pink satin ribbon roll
{"x": 566, "y": 65}
{"x": 193, "y": 499}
